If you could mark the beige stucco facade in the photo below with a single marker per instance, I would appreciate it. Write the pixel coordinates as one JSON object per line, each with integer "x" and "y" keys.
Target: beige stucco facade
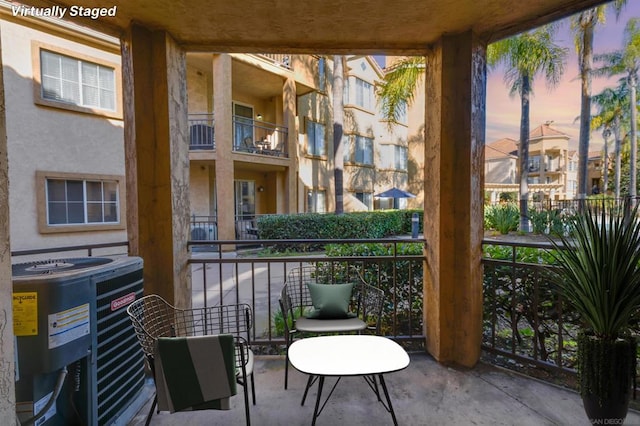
{"x": 42, "y": 138}
{"x": 552, "y": 168}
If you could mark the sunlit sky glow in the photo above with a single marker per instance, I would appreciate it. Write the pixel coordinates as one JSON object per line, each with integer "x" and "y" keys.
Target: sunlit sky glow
{"x": 562, "y": 104}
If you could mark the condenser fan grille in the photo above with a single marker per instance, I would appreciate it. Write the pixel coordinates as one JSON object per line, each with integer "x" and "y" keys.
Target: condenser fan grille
{"x": 52, "y": 266}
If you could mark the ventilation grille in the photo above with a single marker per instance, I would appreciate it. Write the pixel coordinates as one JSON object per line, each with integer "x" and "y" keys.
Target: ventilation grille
{"x": 119, "y": 358}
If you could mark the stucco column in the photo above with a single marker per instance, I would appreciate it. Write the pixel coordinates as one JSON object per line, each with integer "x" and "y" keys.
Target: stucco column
{"x": 157, "y": 160}
{"x": 7, "y": 342}
{"x": 454, "y": 177}
{"x": 289, "y": 110}
{"x": 222, "y": 101}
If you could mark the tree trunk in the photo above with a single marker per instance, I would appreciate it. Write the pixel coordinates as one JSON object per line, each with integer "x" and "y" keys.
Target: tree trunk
{"x": 586, "y": 63}
{"x": 523, "y": 153}
{"x": 617, "y": 149}
{"x": 605, "y": 163}
{"x": 338, "y": 123}
{"x": 633, "y": 166}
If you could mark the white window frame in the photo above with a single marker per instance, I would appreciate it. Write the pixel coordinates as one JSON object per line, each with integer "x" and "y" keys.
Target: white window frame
{"x": 316, "y": 200}
{"x": 364, "y": 150}
{"x": 316, "y": 143}
{"x": 44, "y": 221}
{"x": 77, "y": 103}
{"x": 400, "y": 156}
{"x": 364, "y": 94}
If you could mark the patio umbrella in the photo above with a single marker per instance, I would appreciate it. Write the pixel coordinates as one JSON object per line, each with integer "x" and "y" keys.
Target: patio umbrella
{"x": 395, "y": 193}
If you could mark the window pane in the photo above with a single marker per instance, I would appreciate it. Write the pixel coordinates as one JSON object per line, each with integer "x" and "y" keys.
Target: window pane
{"x": 110, "y": 191}
{"x": 70, "y": 92}
{"x": 75, "y": 212}
{"x": 90, "y": 96}
{"x": 90, "y": 74}
{"x": 56, "y": 190}
{"x": 94, "y": 191}
{"x": 110, "y": 212}
{"x": 69, "y": 69}
{"x": 107, "y": 78}
{"x": 50, "y": 64}
{"x": 94, "y": 212}
{"x": 75, "y": 190}
{"x": 321, "y": 202}
{"x": 107, "y": 100}
{"x": 57, "y": 213}
{"x": 82, "y": 83}
{"x": 51, "y": 88}
{"x": 320, "y": 139}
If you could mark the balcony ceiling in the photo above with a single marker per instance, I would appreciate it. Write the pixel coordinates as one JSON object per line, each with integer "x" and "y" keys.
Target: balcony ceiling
{"x": 327, "y": 26}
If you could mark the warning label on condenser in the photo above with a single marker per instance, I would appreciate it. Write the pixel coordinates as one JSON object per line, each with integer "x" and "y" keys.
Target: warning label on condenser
{"x": 68, "y": 325}
{"x": 25, "y": 314}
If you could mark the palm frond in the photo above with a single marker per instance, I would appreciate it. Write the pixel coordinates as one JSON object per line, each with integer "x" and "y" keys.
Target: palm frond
{"x": 399, "y": 86}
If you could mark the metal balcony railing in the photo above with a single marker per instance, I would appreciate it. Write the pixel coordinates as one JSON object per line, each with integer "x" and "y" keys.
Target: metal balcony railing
{"x": 201, "y": 131}
{"x": 283, "y": 60}
{"x": 256, "y": 276}
{"x": 259, "y": 137}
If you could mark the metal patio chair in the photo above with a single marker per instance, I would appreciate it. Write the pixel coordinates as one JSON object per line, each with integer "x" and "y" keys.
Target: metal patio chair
{"x": 295, "y": 302}
{"x": 153, "y": 317}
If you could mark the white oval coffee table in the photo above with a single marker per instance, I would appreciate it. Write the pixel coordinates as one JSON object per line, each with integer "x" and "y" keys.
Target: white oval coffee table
{"x": 348, "y": 355}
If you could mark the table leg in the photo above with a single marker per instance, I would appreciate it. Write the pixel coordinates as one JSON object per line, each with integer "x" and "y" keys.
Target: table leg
{"x": 386, "y": 395}
{"x": 306, "y": 389}
{"x": 315, "y": 411}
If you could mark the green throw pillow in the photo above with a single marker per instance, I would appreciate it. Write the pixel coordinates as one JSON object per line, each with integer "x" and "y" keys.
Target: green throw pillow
{"x": 330, "y": 301}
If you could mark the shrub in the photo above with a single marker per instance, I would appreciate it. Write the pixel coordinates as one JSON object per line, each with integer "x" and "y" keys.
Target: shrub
{"x": 503, "y": 217}
{"x": 358, "y": 225}
{"x": 539, "y": 220}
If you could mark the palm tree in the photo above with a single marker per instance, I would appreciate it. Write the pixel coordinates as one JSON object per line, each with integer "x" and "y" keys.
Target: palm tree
{"x": 338, "y": 131}
{"x": 583, "y": 25}
{"x": 612, "y": 113}
{"x": 524, "y": 56}
{"x": 399, "y": 86}
{"x": 627, "y": 61}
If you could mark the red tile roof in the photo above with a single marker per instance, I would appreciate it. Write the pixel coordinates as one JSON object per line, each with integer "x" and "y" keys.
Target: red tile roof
{"x": 502, "y": 148}
{"x": 545, "y": 131}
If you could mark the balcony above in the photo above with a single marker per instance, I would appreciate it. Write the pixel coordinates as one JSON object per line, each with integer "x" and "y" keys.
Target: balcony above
{"x": 201, "y": 134}
{"x": 259, "y": 137}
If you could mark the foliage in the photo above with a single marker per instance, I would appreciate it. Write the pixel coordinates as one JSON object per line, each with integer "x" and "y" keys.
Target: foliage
{"x": 503, "y": 217}
{"x": 599, "y": 272}
{"x": 539, "y": 220}
{"x": 399, "y": 86}
{"x": 522, "y": 312}
{"x": 508, "y": 196}
{"x": 626, "y": 61}
{"x": 401, "y": 280}
{"x": 524, "y": 57}
{"x": 375, "y": 224}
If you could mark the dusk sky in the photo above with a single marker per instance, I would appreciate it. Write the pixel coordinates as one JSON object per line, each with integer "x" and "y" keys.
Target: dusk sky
{"x": 562, "y": 104}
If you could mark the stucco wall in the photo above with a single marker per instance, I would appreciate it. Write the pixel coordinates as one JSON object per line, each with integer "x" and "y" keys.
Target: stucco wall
{"x": 199, "y": 189}
{"x": 198, "y": 90}
{"x": 51, "y": 139}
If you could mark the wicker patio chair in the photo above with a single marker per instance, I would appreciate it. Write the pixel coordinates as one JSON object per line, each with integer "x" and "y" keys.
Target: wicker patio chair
{"x": 153, "y": 317}
{"x": 295, "y": 302}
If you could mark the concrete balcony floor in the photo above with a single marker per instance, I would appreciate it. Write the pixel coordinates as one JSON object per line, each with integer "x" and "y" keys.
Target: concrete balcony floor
{"x": 426, "y": 393}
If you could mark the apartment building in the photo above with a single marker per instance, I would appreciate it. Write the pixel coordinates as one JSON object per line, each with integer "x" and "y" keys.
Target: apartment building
{"x": 260, "y": 137}
{"x": 63, "y": 100}
{"x": 552, "y": 165}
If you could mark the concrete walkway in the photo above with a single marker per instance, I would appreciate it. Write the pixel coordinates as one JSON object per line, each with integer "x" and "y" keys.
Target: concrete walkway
{"x": 426, "y": 393}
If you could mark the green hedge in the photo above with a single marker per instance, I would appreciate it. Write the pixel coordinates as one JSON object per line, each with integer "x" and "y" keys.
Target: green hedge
{"x": 375, "y": 224}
